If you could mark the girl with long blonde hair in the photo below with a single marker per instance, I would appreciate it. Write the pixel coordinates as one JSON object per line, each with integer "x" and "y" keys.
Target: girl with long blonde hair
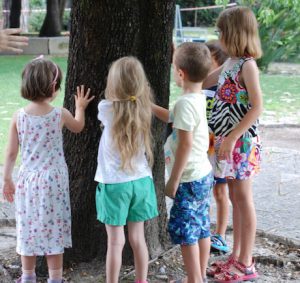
{"x": 125, "y": 194}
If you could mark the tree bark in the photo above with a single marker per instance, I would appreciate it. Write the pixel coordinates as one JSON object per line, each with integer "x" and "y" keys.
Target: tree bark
{"x": 15, "y": 13}
{"x": 101, "y": 32}
{"x": 52, "y": 24}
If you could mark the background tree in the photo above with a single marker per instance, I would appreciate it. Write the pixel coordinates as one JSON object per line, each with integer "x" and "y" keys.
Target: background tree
{"x": 52, "y": 24}
{"x": 15, "y": 13}
{"x": 101, "y": 32}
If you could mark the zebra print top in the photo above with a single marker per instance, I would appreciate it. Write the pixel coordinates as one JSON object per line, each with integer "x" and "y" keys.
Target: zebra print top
{"x": 231, "y": 103}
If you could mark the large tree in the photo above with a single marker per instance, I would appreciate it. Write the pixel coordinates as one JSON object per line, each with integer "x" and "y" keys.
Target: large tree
{"x": 101, "y": 32}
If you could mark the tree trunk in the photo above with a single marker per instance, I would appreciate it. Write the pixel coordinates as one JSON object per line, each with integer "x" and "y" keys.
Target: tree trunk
{"x": 51, "y": 25}
{"x": 101, "y": 32}
{"x": 15, "y": 13}
{"x": 62, "y": 5}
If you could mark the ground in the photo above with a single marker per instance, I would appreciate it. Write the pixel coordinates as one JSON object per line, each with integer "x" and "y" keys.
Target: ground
{"x": 277, "y": 251}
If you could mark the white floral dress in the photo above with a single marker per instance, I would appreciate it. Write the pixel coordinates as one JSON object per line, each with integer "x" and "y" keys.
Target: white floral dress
{"x": 43, "y": 214}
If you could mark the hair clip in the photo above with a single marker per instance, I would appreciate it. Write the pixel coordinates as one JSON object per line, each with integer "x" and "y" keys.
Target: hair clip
{"x": 39, "y": 57}
{"x": 132, "y": 98}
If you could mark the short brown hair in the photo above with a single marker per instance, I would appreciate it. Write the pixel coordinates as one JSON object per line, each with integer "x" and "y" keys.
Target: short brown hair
{"x": 239, "y": 32}
{"x": 38, "y": 80}
{"x": 194, "y": 59}
{"x": 216, "y": 51}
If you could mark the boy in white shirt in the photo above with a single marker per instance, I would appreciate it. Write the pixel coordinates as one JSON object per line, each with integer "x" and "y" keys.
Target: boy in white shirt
{"x": 191, "y": 180}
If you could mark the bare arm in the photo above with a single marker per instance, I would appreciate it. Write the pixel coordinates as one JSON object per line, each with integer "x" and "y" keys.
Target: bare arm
{"x": 212, "y": 78}
{"x": 161, "y": 113}
{"x": 185, "y": 142}
{"x": 250, "y": 76}
{"x": 10, "y": 160}
{"x": 76, "y": 124}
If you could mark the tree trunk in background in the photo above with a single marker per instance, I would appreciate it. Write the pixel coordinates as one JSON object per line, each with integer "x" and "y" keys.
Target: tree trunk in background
{"x": 101, "y": 32}
{"x": 51, "y": 25}
{"x": 15, "y": 13}
{"x": 6, "y": 7}
{"x": 62, "y": 5}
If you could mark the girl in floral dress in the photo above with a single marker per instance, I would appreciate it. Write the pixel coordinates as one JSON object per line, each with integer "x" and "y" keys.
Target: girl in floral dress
{"x": 42, "y": 204}
{"x": 234, "y": 122}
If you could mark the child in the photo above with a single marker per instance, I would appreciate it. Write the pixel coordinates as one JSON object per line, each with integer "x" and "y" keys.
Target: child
{"x": 125, "y": 193}
{"x": 43, "y": 215}
{"x": 218, "y": 242}
{"x": 190, "y": 181}
{"x": 234, "y": 122}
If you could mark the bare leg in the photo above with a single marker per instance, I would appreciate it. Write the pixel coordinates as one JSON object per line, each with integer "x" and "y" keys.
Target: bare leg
{"x": 115, "y": 244}
{"x": 221, "y": 198}
{"x": 235, "y": 220}
{"x": 28, "y": 266}
{"x": 243, "y": 196}
{"x": 204, "y": 247}
{"x": 191, "y": 259}
{"x": 55, "y": 266}
{"x": 140, "y": 251}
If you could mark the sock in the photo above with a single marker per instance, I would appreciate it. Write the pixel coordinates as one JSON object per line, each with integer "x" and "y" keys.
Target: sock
{"x": 28, "y": 274}
{"x": 55, "y": 274}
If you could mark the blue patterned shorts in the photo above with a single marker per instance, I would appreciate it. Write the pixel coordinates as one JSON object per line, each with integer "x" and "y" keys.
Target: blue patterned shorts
{"x": 189, "y": 216}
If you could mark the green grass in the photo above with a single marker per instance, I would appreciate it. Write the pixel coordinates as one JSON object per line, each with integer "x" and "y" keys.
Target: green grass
{"x": 281, "y": 94}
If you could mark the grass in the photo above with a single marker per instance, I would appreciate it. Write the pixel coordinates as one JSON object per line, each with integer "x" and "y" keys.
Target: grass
{"x": 281, "y": 94}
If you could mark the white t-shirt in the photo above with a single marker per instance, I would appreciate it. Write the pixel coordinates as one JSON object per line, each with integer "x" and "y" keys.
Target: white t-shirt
{"x": 189, "y": 114}
{"x": 109, "y": 161}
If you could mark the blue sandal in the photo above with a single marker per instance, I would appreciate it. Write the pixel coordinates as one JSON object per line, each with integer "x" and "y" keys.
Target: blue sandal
{"x": 219, "y": 244}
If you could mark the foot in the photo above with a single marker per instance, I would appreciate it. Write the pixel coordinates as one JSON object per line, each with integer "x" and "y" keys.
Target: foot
{"x": 218, "y": 266}
{"x": 218, "y": 243}
{"x": 238, "y": 272}
{"x": 26, "y": 279}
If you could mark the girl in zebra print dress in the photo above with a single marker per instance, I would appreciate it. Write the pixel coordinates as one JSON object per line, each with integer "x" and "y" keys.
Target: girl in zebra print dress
{"x": 234, "y": 122}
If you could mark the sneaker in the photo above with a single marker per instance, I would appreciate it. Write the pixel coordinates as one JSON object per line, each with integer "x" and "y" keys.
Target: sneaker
{"x": 219, "y": 244}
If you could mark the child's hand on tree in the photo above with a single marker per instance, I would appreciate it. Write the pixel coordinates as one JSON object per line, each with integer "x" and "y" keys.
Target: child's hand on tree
{"x": 9, "y": 190}
{"x": 82, "y": 99}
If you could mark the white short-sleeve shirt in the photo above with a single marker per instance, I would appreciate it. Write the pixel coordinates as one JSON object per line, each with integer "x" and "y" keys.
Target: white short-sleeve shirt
{"x": 189, "y": 114}
{"x": 109, "y": 161}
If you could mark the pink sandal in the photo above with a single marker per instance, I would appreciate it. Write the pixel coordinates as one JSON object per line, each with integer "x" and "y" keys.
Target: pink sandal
{"x": 244, "y": 274}
{"x": 218, "y": 266}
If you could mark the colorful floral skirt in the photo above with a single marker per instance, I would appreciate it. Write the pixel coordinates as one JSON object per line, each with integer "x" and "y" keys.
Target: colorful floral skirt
{"x": 245, "y": 160}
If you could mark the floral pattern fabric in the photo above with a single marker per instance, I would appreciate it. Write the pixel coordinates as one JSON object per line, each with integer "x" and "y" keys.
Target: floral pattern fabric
{"x": 43, "y": 214}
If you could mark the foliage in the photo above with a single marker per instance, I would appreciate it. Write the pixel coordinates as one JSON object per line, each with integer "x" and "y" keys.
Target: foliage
{"x": 36, "y": 21}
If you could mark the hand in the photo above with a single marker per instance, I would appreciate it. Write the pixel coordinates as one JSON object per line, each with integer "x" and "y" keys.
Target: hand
{"x": 226, "y": 149}
{"x": 9, "y": 190}
{"x": 82, "y": 100}
{"x": 171, "y": 188}
{"x": 11, "y": 42}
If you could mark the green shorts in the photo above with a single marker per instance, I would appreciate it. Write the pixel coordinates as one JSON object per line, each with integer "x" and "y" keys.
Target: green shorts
{"x": 132, "y": 201}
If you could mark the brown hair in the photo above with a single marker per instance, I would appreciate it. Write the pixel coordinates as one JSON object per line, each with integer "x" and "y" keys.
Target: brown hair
{"x": 40, "y": 79}
{"x": 194, "y": 59}
{"x": 239, "y": 32}
{"x": 216, "y": 51}
{"x": 128, "y": 88}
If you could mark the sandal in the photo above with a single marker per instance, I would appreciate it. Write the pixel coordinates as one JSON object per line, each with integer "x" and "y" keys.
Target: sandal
{"x": 241, "y": 273}
{"x": 218, "y": 266}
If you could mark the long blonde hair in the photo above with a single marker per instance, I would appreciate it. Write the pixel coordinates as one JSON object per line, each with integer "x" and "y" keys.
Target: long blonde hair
{"x": 128, "y": 88}
{"x": 239, "y": 32}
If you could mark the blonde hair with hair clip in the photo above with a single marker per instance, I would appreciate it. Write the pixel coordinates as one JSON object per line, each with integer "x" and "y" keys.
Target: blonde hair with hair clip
{"x": 239, "y": 32}
{"x": 128, "y": 88}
